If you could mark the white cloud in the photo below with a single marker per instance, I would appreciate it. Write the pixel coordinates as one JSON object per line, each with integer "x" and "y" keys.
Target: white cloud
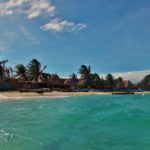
{"x": 134, "y": 76}
{"x": 32, "y": 8}
{"x": 40, "y": 7}
{"x": 59, "y": 25}
{"x": 36, "y": 8}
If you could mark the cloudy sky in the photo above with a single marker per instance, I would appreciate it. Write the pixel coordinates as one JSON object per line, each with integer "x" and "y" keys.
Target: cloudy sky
{"x": 111, "y": 36}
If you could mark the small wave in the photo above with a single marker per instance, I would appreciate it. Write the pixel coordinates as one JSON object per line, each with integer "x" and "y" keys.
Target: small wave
{"x": 6, "y": 137}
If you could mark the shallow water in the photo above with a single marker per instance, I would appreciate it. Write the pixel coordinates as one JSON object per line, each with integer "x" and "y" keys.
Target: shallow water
{"x": 96, "y": 122}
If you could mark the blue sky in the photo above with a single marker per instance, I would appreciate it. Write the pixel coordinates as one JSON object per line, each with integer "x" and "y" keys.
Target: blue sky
{"x": 111, "y": 36}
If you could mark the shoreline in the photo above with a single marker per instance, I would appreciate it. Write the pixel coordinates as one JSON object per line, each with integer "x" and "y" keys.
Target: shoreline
{"x": 13, "y": 95}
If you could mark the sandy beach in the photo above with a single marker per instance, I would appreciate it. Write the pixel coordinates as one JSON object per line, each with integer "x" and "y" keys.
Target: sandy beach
{"x": 16, "y": 94}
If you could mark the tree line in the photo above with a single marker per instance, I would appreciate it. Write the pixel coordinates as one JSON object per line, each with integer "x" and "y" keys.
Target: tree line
{"x": 92, "y": 80}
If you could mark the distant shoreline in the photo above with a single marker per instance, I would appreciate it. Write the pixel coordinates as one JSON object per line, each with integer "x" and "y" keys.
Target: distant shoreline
{"x": 19, "y": 95}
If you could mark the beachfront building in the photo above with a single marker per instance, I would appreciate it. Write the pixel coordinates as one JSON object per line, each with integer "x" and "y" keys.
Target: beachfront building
{"x": 128, "y": 85}
{"x": 55, "y": 81}
{"x": 71, "y": 83}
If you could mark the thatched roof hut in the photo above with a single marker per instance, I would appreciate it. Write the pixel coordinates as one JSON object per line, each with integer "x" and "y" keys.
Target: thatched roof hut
{"x": 55, "y": 80}
{"x": 71, "y": 82}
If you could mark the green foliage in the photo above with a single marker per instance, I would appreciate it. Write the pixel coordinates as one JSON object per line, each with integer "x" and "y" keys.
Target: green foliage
{"x": 73, "y": 76}
{"x": 20, "y": 70}
{"x": 145, "y": 83}
{"x": 1, "y": 71}
{"x": 96, "y": 81}
{"x": 33, "y": 69}
{"x": 119, "y": 83}
{"x": 109, "y": 82}
{"x": 85, "y": 72}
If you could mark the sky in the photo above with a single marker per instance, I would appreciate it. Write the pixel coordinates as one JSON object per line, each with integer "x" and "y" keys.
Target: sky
{"x": 110, "y": 36}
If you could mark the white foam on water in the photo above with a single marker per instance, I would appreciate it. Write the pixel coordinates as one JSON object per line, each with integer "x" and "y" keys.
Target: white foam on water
{"x": 6, "y": 137}
{"x": 5, "y": 98}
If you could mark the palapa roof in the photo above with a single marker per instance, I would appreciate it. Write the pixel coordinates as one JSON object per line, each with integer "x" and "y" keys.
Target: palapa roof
{"x": 71, "y": 81}
{"x": 128, "y": 84}
{"x": 56, "y": 80}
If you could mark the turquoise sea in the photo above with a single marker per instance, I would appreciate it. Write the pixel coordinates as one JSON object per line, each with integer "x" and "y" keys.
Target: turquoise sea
{"x": 95, "y": 122}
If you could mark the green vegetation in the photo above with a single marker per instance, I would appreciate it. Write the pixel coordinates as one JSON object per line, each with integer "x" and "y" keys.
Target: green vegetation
{"x": 85, "y": 72}
{"x": 73, "y": 76}
{"x": 20, "y": 70}
{"x": 33, "y": 69}
{"x": 1, "y": 71}
{"x": 34, "y": 72}
{"x": 145, "y": 83}
{"x": 119, "y": 83}
{"x": 110, "y": 82}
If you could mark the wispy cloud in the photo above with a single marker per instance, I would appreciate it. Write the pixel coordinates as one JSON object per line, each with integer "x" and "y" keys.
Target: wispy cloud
{"x": 59, "y": 25}
{"x": 28, "y": 35}
{"x": 38, "y": 8}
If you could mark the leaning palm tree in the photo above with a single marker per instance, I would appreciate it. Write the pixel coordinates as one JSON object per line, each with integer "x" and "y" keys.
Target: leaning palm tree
{"x": 34, "y": 69}
{"x": 20, "y": 70}
{"x": 85, "y": 72}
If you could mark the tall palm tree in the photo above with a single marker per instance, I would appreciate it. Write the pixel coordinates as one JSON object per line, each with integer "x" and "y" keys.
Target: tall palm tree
{"x": 20, "y": 70}
{"x": 110, "y": 81}
{"x": 85, "y": 72}
{"x": 34, "y": 69}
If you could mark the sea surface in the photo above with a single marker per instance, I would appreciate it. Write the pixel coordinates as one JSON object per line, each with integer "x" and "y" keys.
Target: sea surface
{"x": 95, "y": 122}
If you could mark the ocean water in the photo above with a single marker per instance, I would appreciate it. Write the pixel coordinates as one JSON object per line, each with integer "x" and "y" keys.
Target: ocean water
{"x": 95, "y": 122}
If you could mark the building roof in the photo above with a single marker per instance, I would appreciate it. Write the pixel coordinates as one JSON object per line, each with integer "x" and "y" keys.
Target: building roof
{"x": 128, "y": 84}
{"x": 71, "y": 82}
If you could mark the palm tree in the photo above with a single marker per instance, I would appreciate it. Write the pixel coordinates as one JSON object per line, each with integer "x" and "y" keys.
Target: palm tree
{"x": 85, "y": 72}
{"x": 119, "y": 82}
{"x": 73, "y": 76}
{"x": 110, "y": 81}
{"x": 96, "y": 81}
{"x": 34, "y": 69}
{"x": 20, "y": 70}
